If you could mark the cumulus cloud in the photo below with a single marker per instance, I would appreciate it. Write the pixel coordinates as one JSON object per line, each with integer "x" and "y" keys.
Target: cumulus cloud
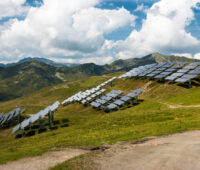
{"x": 62, "y": 28}
{"x": 141, "y": 8}
{"x": 163, "y": 30}
{"x": 9, "y": 8}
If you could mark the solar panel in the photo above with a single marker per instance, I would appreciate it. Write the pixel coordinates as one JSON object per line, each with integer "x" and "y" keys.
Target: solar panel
{"x": 125, "y": 98}
{"x": 113, "y": 95}
{"x": 15, "y": 129}
{"x": 166, "y": 73}
{"x": 45, "y": 112}
{"x": 25, "y": 123}
{"x": 183, "y": 70}
{"x": 112, "y": 106}
{"x": 103, "y": 102}
{"x": 34, "y": 118}
{"x": 98, "y": 100}
{"x": 108, "y": 98}
{"x": 94, "y": 104}
{"x": 160, "y": 76}
{"x": 156, "y": 72}
{"x": 189, "y": 76}
{"x": 10, "y": 115}
{"x": 190, "y": 67}
{"x": 17, "y": 112}
{"x": 83, "y": 101}
{"x": 138, "y": 91}
{"x": 171, "y": 70}
{"x": 177, "y": 74}
{"x": 5, "y": 119}
{"x": 132, "y": 95}
{"x": 161, "y": 69}
{"x": 194, "y": 72}
{"x": 119, "y": 102}
{"x": 93, "y": 96}
{"x": 89, "y": 98}
{"x": 103, "y": 97}
{"x": 182, "y": 80}
{"x": 150, "y": 75}
{"x": 194, "y": 64}
{"x": 98, "y": 93}
{"x": 170, "y": 78}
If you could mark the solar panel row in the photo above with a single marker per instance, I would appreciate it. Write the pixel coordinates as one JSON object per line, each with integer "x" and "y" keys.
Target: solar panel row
{"x": 87, "y": 95}
{"x": 171, "y": 71}
{"x": 11, "y": 117}
{"x": 34, "y": 118}
{"x": 113, "y": 100}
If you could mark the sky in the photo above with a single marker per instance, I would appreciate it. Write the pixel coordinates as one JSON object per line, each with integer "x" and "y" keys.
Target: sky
{"x": 98, "y": 31}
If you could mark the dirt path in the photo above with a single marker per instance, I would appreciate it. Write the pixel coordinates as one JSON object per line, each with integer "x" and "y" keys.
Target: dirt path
{"x": 175, "y": 106}
{"x": 174, "y": 152}
{"x": 146, "y": 86}
{"x": 44, "y": 161}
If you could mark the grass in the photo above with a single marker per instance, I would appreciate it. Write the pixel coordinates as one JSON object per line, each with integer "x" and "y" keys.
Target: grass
{"x": 88, "y": 127}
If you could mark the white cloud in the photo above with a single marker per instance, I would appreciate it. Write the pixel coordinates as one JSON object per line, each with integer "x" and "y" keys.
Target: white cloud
{"x": 187, "y": 55}
{"x": 62, "y": 28}
{"x": 74, "y": 31}
{"x": 9, "y": 8}
{"x": 96, "y": 60}
{"x": 163, "y": 30}
{"x": 197, "y": 56}
{"x": 141, "y": 8}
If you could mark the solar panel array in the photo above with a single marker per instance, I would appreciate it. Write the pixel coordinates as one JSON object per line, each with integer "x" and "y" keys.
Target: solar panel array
{"x": 39, "y": 116}
{"x": 114, "y": 100}
{"x": 88, "y": 95}
{"x": 11, "y": 117}
{"x": 181, "y": 72}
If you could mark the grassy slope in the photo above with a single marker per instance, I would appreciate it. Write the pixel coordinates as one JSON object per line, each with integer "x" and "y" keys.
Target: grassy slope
{"x": 86, "y": 126}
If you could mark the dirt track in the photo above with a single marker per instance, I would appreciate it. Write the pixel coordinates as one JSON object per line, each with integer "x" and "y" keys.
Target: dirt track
{"x": 44, "y": 161}
{"x": 174, "y": 152}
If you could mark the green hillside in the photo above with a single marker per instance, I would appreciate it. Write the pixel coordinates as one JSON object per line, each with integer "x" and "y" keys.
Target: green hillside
{"x": 163, "y": 109}
{"x": 27, "y": 77}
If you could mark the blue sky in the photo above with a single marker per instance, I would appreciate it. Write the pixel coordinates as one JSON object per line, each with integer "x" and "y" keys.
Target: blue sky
{"x": 98, "y": 31}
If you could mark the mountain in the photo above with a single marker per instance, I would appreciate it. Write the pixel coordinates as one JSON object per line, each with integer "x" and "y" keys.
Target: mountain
{"x": 125, "y": 65}
{"x": 43, "y": 60}
{"x": 30, "y": 75}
